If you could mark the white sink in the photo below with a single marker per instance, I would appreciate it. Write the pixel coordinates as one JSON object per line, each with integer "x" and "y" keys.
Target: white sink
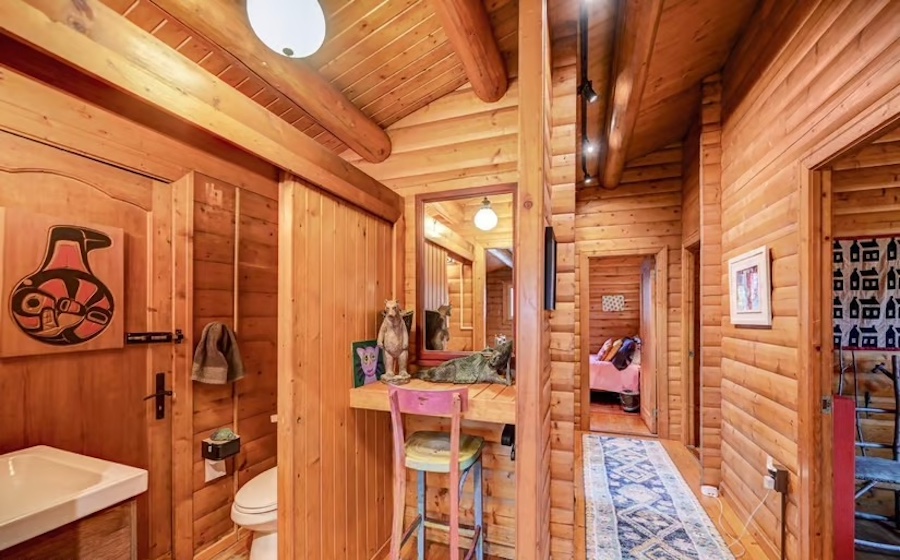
{"x": 42, "y": 488}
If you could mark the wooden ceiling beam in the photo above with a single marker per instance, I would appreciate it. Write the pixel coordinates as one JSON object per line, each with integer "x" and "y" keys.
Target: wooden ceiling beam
{"x": 469, "y": 30}
{"x": 225, "y": 24}
{"x": 635, "y": 36}
{"x": 97, "y": 41}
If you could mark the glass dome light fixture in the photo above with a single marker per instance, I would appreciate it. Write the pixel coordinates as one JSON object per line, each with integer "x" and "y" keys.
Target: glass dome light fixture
{"x": 486, "y": 219}
{"x": 292, "y": 28}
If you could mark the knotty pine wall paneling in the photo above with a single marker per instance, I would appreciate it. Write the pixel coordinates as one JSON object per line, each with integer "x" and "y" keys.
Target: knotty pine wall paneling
{"x": 611, "y": 276}
{"x": 565, "y": 375}
{"x": 643, "y": 212}
{"x": 866, "y": 201}
{"x": 802, "y": 74}
{"x": 458, "y": 142}
{"x": 334, "y": 461}
{"x": 235, "y": 283}
{"x": 712, "y": 294}
{"x": 690, "y": 204}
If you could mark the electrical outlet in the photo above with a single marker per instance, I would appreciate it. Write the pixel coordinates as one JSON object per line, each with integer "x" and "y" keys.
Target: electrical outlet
{"x": 709, "y": 491}
{"x": 770, "y": 463}
{"x": 768, "y": 482}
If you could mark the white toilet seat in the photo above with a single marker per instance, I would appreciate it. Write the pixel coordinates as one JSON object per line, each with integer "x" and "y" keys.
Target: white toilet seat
{"x": 255, "y": 508}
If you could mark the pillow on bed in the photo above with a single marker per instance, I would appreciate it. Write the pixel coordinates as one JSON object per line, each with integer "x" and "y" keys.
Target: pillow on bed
{"x": 604, "y": 349}
{"x": 613, "y": 350}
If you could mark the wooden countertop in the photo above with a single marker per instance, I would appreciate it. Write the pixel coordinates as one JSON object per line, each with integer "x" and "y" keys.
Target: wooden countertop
{"x": 488, "y": 402}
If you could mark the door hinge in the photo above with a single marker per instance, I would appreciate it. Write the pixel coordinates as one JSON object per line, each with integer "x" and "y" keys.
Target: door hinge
{"x": 155, "y": 337}
{"x": 827, "y": 404}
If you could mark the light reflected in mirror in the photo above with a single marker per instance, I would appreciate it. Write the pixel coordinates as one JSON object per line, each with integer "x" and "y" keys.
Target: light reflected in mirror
{"x": 467, "y": 298}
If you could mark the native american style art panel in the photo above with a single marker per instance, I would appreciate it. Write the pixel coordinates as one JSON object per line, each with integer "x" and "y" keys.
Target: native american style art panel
{"x": 866, "y": 285}
{"x": 62, "y": 285}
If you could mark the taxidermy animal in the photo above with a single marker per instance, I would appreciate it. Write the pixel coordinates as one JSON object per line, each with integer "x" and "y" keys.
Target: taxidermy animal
{"x": 393, "y": 338}
{"x": 481, "y": 367}
{"x": 437, "y": 328}
{"x": 368, "y": 359}
{"x": 499, "y": 339}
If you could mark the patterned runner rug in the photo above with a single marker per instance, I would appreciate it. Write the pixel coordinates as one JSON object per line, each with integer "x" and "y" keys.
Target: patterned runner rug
{"x": 638, "y": 506}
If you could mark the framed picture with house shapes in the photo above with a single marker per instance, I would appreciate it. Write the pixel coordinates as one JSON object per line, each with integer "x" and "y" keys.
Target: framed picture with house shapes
{"x": 750, "y": 288}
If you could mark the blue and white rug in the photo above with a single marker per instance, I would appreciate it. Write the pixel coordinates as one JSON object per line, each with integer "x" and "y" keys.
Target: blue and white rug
{"x": 639, "y": 508}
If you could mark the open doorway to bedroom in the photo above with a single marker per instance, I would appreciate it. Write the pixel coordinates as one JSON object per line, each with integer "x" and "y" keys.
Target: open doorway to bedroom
{"x": 623, "y": 317}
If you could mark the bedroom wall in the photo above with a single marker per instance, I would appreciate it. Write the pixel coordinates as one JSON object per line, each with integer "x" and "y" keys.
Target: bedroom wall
{"x": 615, "y": 276}
{"x": 801, "y": 72}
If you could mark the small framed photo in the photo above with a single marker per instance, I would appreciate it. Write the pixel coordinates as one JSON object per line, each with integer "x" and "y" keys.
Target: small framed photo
{"x": 368, "y": 362}
{"x": 750, "y": 288}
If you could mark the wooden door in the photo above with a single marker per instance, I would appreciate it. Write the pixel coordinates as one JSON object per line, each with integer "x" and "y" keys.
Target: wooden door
{"x": 648, "y": 345}
{"x": 78, "y": 398}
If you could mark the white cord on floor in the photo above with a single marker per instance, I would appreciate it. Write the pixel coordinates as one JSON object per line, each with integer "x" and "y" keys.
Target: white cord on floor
{"x": 737, "y": 539}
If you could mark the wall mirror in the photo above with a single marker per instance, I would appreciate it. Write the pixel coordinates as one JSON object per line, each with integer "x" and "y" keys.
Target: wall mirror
{"x": 465, "y": 258}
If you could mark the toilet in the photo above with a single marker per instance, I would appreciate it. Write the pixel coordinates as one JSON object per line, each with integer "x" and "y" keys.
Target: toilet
{"x": 255, "y": 508}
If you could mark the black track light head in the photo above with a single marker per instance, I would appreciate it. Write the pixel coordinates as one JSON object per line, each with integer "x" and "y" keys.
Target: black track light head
{"x": 587, "y": 91}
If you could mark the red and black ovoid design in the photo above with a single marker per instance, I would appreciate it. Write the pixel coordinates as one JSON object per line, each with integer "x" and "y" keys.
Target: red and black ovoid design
{"x": 63, "y": 303}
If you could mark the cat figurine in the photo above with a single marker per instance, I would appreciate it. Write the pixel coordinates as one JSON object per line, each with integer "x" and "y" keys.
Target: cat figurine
{"x": 368, "y": 359}
{"x": 499, "y": 339}
{"x": 480, "y": 367}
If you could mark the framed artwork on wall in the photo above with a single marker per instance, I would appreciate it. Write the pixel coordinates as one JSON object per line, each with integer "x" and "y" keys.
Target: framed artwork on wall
{"x": 368, "y": 362}
{"x": 750, "y": 288}
{"x": 61, "y": 284}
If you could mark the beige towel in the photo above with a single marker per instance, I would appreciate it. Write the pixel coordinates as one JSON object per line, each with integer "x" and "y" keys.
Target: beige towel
{"x": 217, "y": 359}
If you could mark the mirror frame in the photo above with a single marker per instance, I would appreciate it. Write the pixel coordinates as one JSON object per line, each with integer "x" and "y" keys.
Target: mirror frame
{"x": 432, "y": 358}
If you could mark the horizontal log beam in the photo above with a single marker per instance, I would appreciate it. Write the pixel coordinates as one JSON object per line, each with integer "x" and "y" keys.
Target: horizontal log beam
{"x": 92, "y": 38}
{"x": 468, "y": 28}
{"x": 225, "y": 24}
{"x": 635, "y": 37}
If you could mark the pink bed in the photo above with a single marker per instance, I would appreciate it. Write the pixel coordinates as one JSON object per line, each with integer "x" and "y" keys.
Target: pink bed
{"x": 605, "y": 377}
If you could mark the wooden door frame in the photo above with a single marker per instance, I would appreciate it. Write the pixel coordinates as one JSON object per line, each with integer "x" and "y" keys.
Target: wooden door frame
{"x": 182, "y": 385}
{"x": 689, "y": 260}
{"x": 661, "y": 311}
{"x": 816, "y": 347}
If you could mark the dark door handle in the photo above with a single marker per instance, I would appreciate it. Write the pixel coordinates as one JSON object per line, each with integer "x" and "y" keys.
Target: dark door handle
{"x": 160, "y": 395}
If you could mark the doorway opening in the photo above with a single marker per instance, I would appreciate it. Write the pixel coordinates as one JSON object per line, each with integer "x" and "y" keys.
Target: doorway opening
{"x": 692, "y": 379}
{"x": 623, "y": 341}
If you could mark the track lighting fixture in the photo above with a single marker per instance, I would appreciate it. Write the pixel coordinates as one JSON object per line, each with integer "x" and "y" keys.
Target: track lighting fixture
{"x": 587, "y": 91}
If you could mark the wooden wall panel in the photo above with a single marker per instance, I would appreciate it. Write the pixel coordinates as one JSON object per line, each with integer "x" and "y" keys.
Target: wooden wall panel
{"x": 235, "y": 283}
{"x": 615, "y": 276}
{"x": 565, "y": 375}
{"x": 644, "y": 212}
{"x": 496, "y": 303}
{"x": 334, "y": 461}
{"x": 459, "y": 281}
{"x": 435, "y": 270}
{"x": 866, "y": 201}
{"x": 711, "y": 292}
{"x": 802, "y": 73}
{"x": 690, "y": 204}
{"x": 455, "y": 142}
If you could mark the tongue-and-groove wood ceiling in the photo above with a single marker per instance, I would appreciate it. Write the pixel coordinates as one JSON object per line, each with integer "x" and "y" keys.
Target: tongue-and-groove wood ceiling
{"x": 388, "y": 57}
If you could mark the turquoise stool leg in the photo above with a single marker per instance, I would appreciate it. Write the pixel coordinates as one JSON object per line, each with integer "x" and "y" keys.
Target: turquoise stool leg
{"x": 479, "y": 510}
{"x": 421, "y": 537}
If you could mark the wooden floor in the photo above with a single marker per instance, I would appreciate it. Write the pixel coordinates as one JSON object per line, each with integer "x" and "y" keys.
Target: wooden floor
{"x": 689, "y": 468}
{"x": 609, "y": 418}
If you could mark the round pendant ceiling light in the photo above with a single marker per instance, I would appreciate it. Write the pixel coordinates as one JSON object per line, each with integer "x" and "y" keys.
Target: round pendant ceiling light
{"x": 292, "y": 28}
{"x": 486, "y": 219}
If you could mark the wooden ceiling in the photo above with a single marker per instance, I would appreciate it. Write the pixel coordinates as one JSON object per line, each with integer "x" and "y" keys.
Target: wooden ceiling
{"x": 647, "y": 59}
{"x": 388, "y": 57}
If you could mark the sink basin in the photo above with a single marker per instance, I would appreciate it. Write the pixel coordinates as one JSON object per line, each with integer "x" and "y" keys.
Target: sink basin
{"x": 42, "y": 488}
